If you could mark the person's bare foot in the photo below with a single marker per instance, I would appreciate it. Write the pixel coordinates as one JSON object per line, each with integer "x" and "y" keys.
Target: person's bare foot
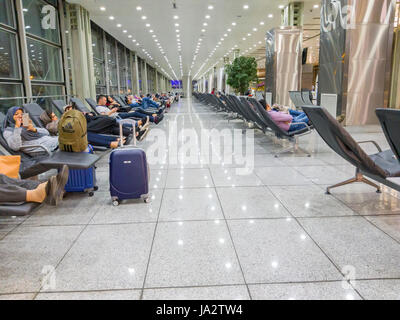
{"x": 114, "y": 144}
{"x": 38, "y": 195}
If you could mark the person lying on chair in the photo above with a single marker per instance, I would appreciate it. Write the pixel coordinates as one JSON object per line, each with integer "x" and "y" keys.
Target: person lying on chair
{"x": 290, "y": 121}
{"x": 16, "y": 191}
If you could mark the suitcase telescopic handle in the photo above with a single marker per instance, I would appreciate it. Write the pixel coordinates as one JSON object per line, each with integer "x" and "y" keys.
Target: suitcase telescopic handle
{"x": 121, "y": 122}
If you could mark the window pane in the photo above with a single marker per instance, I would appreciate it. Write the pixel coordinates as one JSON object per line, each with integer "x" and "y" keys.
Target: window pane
{"x": 9, "y": 66}
{"x": 99, "y": 72}
{"x": 114, "y": 90}
{"x": 100, "y": 90}
{"x": 44, "y": 61}
{"x": 6, "y": 13}
{"x": 10, "y": 90}
{"x": 97, "y": 43}
{"x": 44, "y": 25}
{"x": 45, "y": 90}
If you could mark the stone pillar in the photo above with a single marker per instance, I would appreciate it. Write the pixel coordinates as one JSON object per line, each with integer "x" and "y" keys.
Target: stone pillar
{"x": 144, "y": 80}
{"x": 355, "y": 56}
{"x": 187, "y": 86}
{"x": 81, "y": 40}
{"x": 283, "y": 63}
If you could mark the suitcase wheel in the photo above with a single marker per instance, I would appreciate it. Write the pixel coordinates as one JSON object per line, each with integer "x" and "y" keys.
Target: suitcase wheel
{"x": 96, "y": 188}
{"x": 91, "y": 194}
{"x": 115, "y": 203}
{"x": 147, "y": 200}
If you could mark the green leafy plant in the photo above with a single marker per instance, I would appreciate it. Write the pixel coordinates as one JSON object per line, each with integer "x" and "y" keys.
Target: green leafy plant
{"x": 241, "y": 72}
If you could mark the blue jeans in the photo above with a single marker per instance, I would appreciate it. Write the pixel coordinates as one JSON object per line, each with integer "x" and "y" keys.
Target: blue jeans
{"x": 298, "y": 117}
{"x": 148, "y": 103}
{"x": 99, "y": 139}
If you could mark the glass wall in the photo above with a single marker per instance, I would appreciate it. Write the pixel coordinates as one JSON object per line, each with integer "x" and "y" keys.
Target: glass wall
{"x": 98, "y": 59}
{"x": 112, "y": 63}
{"x": 44, "y": 49}
{"x": 10, "y": 71}
{"x": 122, "y": 65}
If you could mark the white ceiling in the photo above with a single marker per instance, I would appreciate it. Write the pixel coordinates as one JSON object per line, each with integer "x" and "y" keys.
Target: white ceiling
{"x": 191, "y": 16}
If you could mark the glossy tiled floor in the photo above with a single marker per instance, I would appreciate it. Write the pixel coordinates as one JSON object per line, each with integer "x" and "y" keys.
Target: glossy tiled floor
{"x": 212, "y": 233}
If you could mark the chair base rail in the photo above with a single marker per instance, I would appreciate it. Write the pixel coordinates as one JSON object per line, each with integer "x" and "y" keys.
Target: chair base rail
{"x": 359, "y": 177}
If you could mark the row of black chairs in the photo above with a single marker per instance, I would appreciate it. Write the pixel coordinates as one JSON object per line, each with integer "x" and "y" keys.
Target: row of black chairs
{"x": 379, "y": 167}
{"x": 301, "y": 98}
{"x": 34, "y": 165}
{"x": 252, "y": 112}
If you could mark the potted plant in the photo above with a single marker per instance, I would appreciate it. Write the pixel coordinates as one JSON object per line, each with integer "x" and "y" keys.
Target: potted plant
{"x": 241, "y": 72}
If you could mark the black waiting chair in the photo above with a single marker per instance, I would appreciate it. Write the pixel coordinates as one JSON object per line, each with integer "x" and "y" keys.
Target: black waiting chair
{"x": 296, "y": 98}
{"x": 390, "y": 123}
{"x": 59, "y": 105}
{"x": 306, "y": 95}
{"x": 378, "y": 167}
{"x": 78, "y": 104}
{"x": 292, "y": 136}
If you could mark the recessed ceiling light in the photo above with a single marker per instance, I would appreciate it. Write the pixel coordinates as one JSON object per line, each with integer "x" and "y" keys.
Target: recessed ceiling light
{"x": 315, "y": 6}
{"x": 125, "y": 31}
{"x": 111, "y": 18}
{"x": 153, "y": 35}
{"x": 225, "y": 35}
{"x": 246, "y": 6}
{"x": 176, "y": 17}
{"x": 270, "y": 15}
{"x": 176, "y": 24}
{"x": 208, "y": 17}
{"x": 147, "y": 25}
{"x": 210, "y": 7}
{"x": 229, "y": 30}
{"x": 254, "y": 29}
{"x": 203, "y": 30}
{"x": 103, "y": 8}
{"x": 234, "y": 23}
{"x": 261, "y": 23}
{"x": 177, "y": 30}
{"x": 138, "y": 8}
{"x": 244, "y": 39}
{"x": 205, "y": 24}
{"x": 151, "y": 31}
{"x": 130, "y": 36}
{"x": 133, "y": 40}
{"x": 119, "y": 25}
{"x": 144, "y": 17}
{"x": 249, "y": 34}
{"x": 281, "y": 6}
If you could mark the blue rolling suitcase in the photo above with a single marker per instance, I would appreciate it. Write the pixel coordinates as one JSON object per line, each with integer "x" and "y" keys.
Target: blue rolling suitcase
{"x": 82, "y": 180}
{"x": 129, "y": 173}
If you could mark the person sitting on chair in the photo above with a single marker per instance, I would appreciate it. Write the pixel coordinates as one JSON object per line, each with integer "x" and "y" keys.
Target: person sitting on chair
{"x": 18, "y": 136}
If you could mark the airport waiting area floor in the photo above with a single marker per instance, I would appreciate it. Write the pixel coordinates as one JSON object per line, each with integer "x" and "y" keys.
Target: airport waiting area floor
{"x": 211, "y": 232}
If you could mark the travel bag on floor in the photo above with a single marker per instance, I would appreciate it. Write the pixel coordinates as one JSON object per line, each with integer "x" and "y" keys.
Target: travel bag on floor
{"x": 129, "y": 172}
{"x": 82, "y": 180}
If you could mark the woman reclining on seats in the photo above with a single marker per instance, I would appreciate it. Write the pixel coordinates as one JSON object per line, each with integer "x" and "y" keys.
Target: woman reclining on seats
{"x": 287, "y": 119}
{"x": 18, "y": 136}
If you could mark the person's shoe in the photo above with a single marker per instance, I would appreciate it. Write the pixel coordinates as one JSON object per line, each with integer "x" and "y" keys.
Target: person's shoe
{"x": 142, "y": 134}
{"x": 158, "y": 119}
{"x": 56, "y": 185}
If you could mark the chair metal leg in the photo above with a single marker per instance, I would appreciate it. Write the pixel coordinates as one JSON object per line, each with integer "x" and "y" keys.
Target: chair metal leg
{"x": 358, "y": 178}
{"x": 293, "y": 148}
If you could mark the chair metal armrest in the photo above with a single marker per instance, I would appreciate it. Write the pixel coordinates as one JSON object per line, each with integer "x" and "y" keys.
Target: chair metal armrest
{"x": 373, "y": 142}
{"x": 36, "y": 146}
{"x": 307, "y": 126}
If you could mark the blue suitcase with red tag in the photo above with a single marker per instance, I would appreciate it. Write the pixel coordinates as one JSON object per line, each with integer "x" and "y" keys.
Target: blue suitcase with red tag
{"x": 129, "y": 174}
